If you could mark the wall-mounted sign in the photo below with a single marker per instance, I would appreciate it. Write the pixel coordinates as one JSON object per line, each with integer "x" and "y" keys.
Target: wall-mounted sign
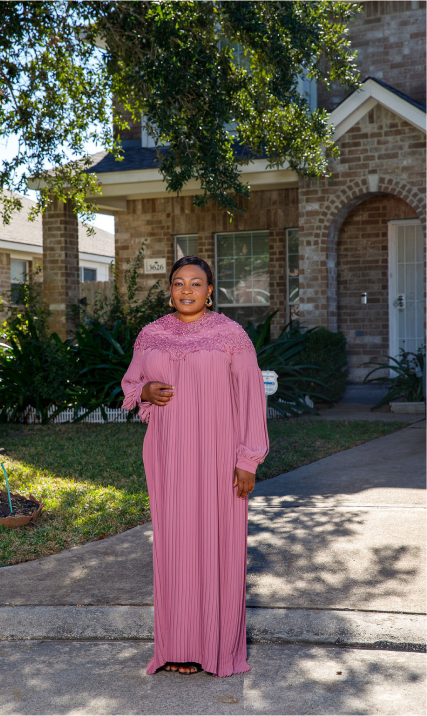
{"x": 270, "y": 381}
{"x": 155, "y": 265}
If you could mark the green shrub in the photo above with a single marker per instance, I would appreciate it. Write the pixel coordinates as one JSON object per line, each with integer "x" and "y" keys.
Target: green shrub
{"x": 36, "y": 368}
{"x": 284, "y": 356}
{"x": 327, "y": 350}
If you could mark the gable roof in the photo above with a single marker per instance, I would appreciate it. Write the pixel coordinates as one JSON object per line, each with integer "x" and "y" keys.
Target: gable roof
{"x": 373, "y": 92}
{"x": 136, "y": 157}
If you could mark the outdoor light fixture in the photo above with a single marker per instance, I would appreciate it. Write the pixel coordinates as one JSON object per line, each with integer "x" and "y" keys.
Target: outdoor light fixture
{"x": 364, "y": 297}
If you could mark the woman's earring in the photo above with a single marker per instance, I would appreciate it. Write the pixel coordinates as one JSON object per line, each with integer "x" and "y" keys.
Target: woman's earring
{"x": 209, "y": 301}
{"x": 171, "y": 302}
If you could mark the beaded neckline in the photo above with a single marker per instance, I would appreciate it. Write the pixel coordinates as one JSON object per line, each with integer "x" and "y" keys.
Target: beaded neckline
{"x": 189, "y": 326}
{"x": 212, "y": 331}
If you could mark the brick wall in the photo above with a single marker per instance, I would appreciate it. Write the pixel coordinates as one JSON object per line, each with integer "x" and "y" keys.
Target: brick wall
{"x": 382, "y": 154}
{"x": 160, "y": 220}
{"x": 133, "y": 132}
{"x": 362, "y": 265}
{"x": 60, "y": 264}
{"x": 390, "y": 41}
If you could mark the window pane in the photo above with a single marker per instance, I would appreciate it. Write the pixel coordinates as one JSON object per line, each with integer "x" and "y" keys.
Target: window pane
{"x": 89, "y": 274}
{"x": 293, "y": 241}
{"x": 243, "y": 268}
{"x": 225, "y": 243}
{"x": 187, "y": 245}
{"x": 16, "y": 293}
{"x": 293, "y": 272}
{"x": 261, "y": 292}
{"x": 293, "y": 290}
{"x": 261, "y": 267}
{"x": 237, "y": 270}
{"x": 225, "y": 292}
{"x": 244, "y": 314}
{"x": 18, "y": 271}
{"x": 242, "y": 244}
{"x": 243, "y": 291}
{"x": 293, "y": 265}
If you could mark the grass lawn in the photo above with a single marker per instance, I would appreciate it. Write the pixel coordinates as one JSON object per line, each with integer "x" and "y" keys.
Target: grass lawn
{"x": 92, "y": 482}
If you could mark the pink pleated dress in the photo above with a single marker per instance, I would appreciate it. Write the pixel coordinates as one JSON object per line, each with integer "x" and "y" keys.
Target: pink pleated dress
{"x": 215, "y": 422}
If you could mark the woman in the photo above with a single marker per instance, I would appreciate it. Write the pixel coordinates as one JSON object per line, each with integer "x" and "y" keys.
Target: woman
{"x": 195, "y": 377}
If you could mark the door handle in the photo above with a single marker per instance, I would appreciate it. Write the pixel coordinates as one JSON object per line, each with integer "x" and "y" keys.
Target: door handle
{"x": 399, "y": 302}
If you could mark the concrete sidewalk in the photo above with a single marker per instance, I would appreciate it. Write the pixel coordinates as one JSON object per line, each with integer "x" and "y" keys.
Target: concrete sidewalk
{"x": 87, "y": 678}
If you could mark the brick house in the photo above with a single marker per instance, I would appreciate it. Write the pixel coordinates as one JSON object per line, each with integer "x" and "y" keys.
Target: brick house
{"x": 312, "y": 249}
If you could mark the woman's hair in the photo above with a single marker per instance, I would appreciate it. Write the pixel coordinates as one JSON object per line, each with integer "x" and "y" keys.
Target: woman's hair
{"x": 197, "y": 262}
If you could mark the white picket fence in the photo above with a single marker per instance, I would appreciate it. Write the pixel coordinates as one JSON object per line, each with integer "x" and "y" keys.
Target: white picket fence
{"x": 113, "y": 416}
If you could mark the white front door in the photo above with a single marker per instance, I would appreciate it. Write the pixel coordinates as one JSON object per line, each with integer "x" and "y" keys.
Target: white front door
{"x": 406, "y": 286}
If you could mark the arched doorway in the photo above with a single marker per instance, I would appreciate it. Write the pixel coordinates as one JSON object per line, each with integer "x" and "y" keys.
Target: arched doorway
{"x": 364, "y": 264}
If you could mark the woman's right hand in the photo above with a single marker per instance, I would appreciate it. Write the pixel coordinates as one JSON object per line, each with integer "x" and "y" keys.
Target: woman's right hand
{"x": 157, "y": 393}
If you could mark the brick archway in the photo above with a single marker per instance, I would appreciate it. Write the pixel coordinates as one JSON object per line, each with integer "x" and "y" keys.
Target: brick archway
{"x": 340, "y": 207}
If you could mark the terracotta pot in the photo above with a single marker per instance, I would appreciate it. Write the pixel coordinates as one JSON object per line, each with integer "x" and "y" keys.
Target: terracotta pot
{"x": 20, "y": 520}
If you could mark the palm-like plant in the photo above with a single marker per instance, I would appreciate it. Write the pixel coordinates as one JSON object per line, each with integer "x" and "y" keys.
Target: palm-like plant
{"x": 281, "y": 356}
{"x": 102, "y": 358}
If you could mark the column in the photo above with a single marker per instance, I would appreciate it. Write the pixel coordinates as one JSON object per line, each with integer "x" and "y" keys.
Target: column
{"x": 60, "y": 265}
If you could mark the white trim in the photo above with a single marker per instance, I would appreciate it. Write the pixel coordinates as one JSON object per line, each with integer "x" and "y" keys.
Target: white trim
{"x": 21, "y": 246}
{"x": 393, "y": 318}
{"x": 352, "y": 109}
{"x": 393, "y": 333}
{"x": 83, "y": 256}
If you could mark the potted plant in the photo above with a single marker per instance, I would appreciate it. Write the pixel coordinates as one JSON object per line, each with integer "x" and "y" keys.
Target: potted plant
{"x": 17, "y": 510}
{"x": 405, "y": 385}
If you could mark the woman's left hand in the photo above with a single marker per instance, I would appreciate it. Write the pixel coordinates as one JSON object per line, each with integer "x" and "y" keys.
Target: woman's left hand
{"x": 244, "y": 481}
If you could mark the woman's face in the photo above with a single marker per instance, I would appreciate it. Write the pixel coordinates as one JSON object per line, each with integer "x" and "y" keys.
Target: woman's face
{"x": 189, "y": 289}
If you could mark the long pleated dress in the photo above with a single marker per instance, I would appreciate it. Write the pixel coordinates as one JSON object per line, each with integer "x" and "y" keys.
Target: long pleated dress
{"x": 215, "y": 422}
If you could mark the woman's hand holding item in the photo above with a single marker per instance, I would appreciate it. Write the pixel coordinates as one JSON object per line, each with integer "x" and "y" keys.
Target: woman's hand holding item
{"x": 244, "y": 481}
{"x": 157, "y": 393}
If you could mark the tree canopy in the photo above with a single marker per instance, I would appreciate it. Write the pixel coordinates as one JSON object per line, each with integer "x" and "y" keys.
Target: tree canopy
{"x": 175, "y": 64}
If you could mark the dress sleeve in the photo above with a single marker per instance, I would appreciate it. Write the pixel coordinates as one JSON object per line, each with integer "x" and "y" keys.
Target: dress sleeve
{"x": 249, "y": 394}
{"x": 132, "y": 384}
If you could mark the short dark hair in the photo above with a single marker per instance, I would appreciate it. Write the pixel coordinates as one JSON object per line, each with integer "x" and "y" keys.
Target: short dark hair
{"x": 185, "y": 261}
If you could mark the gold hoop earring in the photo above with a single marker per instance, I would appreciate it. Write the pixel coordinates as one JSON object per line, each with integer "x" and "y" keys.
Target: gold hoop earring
{"x": 171, "y": 303}
{"x": 209, "y": 302}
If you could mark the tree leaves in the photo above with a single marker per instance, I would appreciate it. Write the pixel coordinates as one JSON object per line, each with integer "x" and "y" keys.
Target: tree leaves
{"x": 176, "y": 63}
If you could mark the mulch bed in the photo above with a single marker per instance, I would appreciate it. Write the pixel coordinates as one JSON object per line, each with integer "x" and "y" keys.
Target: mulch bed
{"x": 21, "y": 505}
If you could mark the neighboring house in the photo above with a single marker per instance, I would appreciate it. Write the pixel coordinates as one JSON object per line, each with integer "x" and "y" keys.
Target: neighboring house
{"x": 347, "y": 253}
{"x": 21, "y": 249}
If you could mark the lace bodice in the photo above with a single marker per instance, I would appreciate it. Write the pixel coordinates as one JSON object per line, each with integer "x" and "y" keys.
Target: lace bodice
{"x": 212, "y": 332}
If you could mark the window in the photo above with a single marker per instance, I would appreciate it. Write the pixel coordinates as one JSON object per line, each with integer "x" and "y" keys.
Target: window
{"x": 187, "y": 245}
{"x": 292, "y": 244}
{"x": 18, "y": 276}
{"x": 87, "y": 274}
{"x": 243, "y": 275}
